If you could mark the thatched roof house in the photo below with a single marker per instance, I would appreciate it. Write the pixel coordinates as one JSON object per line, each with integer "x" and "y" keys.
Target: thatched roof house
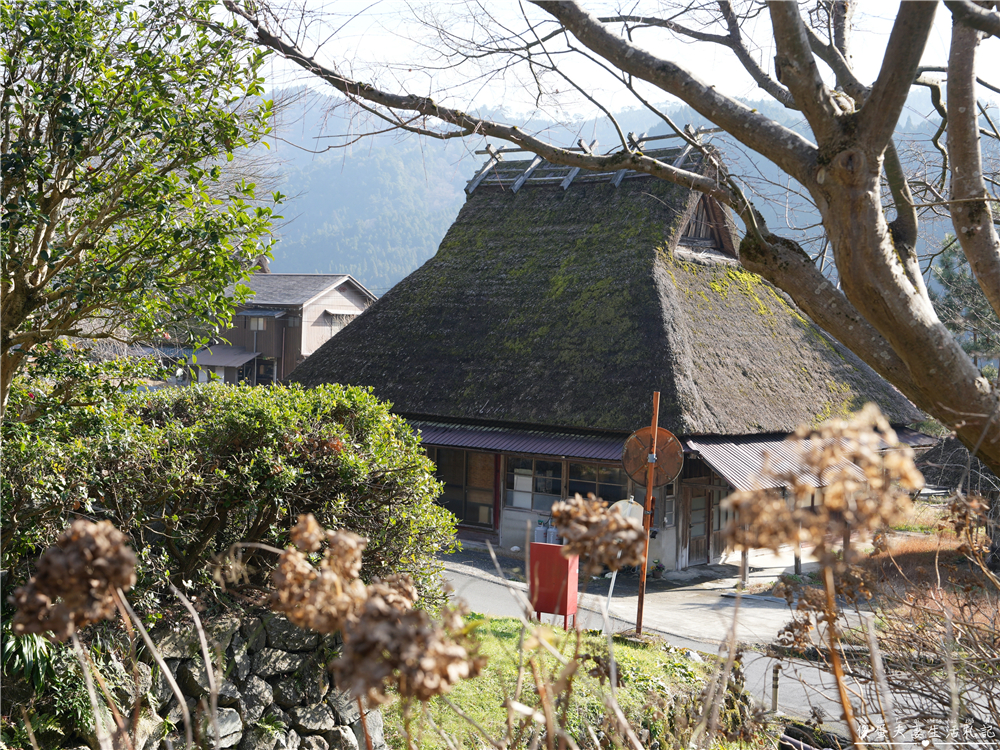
{"x": 948, "y": 466}
{"x": 555, "y": 307}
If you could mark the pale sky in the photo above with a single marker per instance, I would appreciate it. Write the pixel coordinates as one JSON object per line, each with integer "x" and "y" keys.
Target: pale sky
{"x": 382, "y": 42}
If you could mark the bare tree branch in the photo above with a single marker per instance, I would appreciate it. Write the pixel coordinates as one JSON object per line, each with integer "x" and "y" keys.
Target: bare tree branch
{"x": 467, "y": 125}
{"x": 969, "y": 14}
{"x": 797, "y": 69}
{"x": 784, "y": 146}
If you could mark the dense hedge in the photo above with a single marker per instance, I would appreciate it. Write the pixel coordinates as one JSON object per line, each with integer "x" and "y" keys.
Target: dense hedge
{"x": 185, "y": 472}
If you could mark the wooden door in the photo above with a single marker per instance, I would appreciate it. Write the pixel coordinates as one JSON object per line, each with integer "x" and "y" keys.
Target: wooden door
{"x": 700, "y": 515}
{"x": 720, "y": 518}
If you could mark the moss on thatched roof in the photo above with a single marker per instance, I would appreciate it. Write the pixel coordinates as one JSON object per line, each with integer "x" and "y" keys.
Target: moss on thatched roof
{"x": 570, "y": 307}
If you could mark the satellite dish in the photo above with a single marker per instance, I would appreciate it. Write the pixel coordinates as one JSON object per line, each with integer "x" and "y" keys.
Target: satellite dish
{"x": 669, "y": 456}
{"x": 628, "y": 508}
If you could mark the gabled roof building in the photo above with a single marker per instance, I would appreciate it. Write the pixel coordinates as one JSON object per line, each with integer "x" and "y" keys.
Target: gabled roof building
{"x": 287, "y": 317}
{"x": 529, "y": 347}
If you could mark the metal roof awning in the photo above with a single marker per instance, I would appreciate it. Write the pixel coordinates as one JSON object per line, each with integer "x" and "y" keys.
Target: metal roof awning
{"x": 223, "y": 356}
{"x": 262, "y": 313}
{"x": 913, "y": 438}
{"x": 740, "y": 460}
{"x": 510, "y": 440}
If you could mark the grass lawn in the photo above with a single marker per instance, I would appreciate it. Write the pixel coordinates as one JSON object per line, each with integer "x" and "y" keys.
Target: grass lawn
{"x": 654, "y": 678}
{"x": 924, "y": 519}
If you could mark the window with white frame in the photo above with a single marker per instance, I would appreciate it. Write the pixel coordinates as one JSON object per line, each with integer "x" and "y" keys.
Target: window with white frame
{"x": 533, "y": 484}
{"x": 257, "y": 324}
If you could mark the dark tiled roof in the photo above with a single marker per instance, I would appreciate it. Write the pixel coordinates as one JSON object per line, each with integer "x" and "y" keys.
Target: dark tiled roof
{"x": 568, "y": 308}
{"x": 289, "y": 288}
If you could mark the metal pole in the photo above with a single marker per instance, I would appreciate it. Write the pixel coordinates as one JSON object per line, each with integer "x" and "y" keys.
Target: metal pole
{"x": 798, "y": 553}
{"x": 648, "y": 509}
{"x": 774, "y": 688}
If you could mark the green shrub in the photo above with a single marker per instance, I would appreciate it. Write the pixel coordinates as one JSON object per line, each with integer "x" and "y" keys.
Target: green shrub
{"x": 186, "y": 472}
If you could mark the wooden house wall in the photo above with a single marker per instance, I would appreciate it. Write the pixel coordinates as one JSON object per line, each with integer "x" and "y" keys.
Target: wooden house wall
{"x": 292, "y": 351}
{"x": 268, "y": 342}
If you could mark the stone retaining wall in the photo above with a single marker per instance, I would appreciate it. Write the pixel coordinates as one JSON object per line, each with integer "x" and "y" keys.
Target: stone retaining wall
{"x": 275, "y": 692}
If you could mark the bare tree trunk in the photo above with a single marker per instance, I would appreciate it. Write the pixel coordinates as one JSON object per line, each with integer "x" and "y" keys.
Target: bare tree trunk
{"x": 970, "y": 209}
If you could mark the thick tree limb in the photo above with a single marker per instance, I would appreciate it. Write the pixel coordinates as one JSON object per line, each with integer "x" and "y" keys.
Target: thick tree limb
{"x": 469, "y": 125}
{"x": 904, "y": 227}
{"x": 970, "y": 211}
{"x": 761, "y": 78}
{"x": 787, "y": 266}
{"x": 797, "y": 70}
{"x": 971, "y": 15}
{"x": 877, "y": 118}
{"x": 840, "y": 66}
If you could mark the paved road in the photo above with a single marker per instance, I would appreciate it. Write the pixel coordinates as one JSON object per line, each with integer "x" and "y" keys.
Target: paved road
{"x": 695, "y": 614}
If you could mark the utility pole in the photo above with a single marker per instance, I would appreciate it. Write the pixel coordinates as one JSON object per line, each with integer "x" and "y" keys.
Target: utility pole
{"x": 647, "y": 516}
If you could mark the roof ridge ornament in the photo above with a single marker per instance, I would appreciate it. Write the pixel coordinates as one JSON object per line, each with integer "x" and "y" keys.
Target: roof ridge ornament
{"x": 527, "y": 173}
{"x": 589, "y": 151}
{"x": 496, "y": 156}
{"x": 637, "y": 144}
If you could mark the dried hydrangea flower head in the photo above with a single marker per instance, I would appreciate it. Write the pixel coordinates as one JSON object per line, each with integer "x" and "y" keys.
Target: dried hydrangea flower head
{"x": 76, "y": 581}
{"x": 865, "y": 487}
{"x": 392, "y": 645}
{"x": 601, "y": 537}
{"x": 387, "y": 643}
{"x": 322, "y": 598}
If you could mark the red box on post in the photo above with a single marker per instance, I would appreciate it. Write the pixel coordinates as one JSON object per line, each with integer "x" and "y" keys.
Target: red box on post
{"x": 553, "y": 581}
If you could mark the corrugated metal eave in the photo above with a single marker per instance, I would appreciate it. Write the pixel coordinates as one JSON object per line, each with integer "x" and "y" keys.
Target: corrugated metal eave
{"x": 741, "y": 462}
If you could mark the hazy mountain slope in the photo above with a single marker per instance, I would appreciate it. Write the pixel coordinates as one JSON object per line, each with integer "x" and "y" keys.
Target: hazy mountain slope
{"x": 379, "y": 208}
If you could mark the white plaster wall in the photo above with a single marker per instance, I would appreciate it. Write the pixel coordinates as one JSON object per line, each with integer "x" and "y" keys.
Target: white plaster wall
{"x": 664, "y": 548}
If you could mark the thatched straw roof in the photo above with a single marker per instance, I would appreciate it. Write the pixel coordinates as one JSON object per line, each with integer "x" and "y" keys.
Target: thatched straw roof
{"x": 947, "y": 466}
{"x": 570, "y": 307}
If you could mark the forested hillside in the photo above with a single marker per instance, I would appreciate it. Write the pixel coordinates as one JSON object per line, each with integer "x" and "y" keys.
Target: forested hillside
{"x": 376, "y": 211}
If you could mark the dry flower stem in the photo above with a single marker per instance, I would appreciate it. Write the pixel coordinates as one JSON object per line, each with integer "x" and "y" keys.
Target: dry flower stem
{"x": 838, "y": 671}
{"x": 213, "y": 688}
{"x": 543, "y": 695}
{"x": 102, "y": 736}
{"x": 485, "y": 735}
{"x": 441, "y": 733}
{"x": 164, "y": 670}
{"x": 884, "y": 696}
{"x": 27, "y": 726}
{"x": 364, "y": 724}
{"x": 122, "y": 733}
{"x": 137, "y": 704}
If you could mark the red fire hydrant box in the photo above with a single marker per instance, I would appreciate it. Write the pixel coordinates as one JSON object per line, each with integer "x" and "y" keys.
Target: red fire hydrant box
{"x": 553, "y": 580}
